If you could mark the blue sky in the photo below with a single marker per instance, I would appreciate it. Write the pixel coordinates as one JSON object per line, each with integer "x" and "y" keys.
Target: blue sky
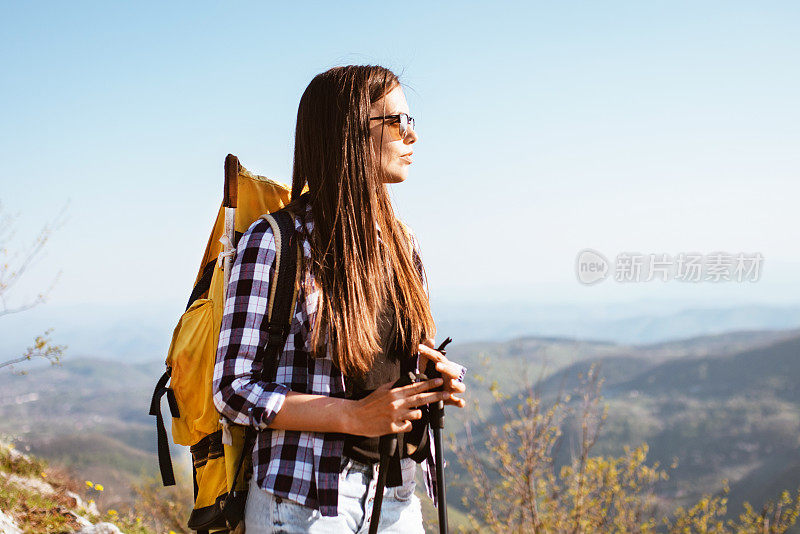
{"x": 545, "y": 128}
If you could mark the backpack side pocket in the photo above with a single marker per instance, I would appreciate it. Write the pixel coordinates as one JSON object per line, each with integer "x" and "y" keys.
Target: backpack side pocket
{"x": 191, "y": 357}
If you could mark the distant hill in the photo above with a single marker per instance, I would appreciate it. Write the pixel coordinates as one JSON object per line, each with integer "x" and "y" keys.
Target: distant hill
{"x": 625, "y": 323}
{"x": 91, "y": 415}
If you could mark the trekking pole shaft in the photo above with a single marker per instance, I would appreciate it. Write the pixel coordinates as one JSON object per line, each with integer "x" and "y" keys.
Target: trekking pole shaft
{"x": 441, "y": 498}
{"x": 436, "y": 412}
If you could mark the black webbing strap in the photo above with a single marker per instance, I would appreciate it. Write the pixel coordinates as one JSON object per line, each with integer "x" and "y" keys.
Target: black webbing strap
{"x": 278, "y": 319}
{"x": 204, "y": 283}
{"x": 164, "y": 459}
{"x": 389, "y": 467}
{"x": 234, "y": 505}
{"x": 196, "y": 490}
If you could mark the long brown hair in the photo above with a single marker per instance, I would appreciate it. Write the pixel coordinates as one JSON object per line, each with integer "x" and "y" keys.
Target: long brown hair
{"x": 333, "y": 154}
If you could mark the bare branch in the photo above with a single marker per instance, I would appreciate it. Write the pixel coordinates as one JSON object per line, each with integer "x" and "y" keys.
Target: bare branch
{"x": 42, "y": 347}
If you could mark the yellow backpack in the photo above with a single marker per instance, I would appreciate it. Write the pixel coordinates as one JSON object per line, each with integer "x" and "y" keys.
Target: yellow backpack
{"x": 221, "y": 452}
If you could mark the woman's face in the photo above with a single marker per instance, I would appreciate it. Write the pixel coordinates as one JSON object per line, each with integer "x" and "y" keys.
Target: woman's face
{"x": 395, "y": 153}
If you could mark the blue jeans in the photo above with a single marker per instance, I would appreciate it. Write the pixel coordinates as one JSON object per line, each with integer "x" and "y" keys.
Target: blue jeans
{"x": 401, "y": 510}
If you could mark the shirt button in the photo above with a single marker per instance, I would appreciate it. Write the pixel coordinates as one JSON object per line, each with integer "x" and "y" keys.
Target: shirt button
{"x": 278, "y": 499}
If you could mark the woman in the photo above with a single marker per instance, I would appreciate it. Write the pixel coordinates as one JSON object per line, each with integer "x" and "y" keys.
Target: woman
{"x": 332, "y": 397}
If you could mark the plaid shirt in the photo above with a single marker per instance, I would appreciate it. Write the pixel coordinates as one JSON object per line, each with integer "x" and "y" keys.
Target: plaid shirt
{"x": 298, "y": 465}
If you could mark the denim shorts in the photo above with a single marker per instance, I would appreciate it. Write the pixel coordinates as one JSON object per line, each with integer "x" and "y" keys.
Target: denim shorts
{"x": 401, "y": 510}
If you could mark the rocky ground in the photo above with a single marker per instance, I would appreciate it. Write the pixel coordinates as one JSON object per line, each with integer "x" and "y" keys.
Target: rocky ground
{"x": 37, "y": 499}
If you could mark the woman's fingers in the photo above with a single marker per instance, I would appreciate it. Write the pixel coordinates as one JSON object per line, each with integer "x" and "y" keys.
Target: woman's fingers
{"x": 414, "y": 415}
{"x": 417, "y": 387}
{"x": 414, "y": 395}
{"x": 430, "y": 353}
{"x": 405, "y": 426}
{"x": 389, "y": 409}
{"x": 429, "y": 397}
{"x": 426, "y": 398}
{"x": 454, "y": 386}
{"x": 423, "y": 359}
{"x": 443, "y": 365}
{"x": 456, "y": 401}
{"x": 449, "y": 369}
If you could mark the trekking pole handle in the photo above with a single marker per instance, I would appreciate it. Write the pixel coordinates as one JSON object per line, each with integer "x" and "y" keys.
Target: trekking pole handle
{"x": 462, "y": 370}
{"x": 430, "y": 369}
{"x": 436, "y": 409}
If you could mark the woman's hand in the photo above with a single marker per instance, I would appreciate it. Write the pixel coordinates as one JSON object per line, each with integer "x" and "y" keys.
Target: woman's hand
{"x": 389, "y": 411}
{"x": 449, "y": 371}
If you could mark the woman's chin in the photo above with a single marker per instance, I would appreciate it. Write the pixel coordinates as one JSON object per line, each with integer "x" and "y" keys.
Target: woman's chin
{"x": 396, "y": 177}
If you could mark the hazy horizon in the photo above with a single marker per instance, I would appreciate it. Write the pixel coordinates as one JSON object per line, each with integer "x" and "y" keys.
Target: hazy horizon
{"x": 142, "y": 332}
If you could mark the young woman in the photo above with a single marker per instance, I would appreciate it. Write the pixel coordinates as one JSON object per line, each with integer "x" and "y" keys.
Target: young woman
{"x": 362, "y": 317}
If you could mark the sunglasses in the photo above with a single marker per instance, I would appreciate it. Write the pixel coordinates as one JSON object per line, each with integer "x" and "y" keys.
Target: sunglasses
{"x": 404, "y": 120}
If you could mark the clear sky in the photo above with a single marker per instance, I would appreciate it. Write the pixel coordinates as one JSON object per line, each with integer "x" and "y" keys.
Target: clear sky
{"x": 545, "y": 128}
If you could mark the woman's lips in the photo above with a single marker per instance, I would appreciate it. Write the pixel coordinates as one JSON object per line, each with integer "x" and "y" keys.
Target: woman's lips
{"x": 407, "y": 158}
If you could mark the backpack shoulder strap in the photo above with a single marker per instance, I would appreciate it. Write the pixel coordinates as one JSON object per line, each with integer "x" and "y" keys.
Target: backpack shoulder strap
{"x": 277, "y": 322}
{"x": 283, "y": 290}
{"x": 280, "y": 304}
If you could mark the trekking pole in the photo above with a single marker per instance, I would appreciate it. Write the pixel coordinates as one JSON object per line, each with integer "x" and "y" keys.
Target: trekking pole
{"x": 436, "y": 413}
{"x": 387, "y": 446}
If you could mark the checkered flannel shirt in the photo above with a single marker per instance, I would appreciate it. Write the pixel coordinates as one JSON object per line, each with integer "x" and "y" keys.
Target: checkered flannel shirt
{"x": 298, "y": 465}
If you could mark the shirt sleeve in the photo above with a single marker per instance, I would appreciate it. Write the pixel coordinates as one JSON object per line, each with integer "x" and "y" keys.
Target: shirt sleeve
{"x": 238, "y": 392}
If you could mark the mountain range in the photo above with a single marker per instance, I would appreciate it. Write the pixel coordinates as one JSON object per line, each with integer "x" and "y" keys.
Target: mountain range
{"x": 725, "y": 405}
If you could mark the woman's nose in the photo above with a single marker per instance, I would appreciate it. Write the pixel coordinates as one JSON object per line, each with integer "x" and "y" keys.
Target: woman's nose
{"x": 411, "y": 137}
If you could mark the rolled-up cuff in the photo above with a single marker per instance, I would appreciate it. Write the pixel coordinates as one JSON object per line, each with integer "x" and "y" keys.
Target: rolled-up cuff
{"x": 261, "y": 416}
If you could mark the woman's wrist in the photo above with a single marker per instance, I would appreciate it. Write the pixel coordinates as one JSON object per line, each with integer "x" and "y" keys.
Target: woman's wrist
{"x": 316, "y": 413}
{"x": 348, "y": 419}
